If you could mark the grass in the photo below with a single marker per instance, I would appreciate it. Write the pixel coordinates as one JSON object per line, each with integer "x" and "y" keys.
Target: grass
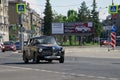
{"x": 77, "y": 44}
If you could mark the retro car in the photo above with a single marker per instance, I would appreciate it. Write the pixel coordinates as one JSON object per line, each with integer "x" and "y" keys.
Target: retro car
{"x": 43, "y": 48}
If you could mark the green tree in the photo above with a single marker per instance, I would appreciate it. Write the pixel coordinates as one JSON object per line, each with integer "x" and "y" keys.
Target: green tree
{"x": 95, "y": 18}
{"x": 59, "y": 18}
{"x": 48, "y": 18}
{"x": 84, "y": 13}
{"x": 71, "y": 16}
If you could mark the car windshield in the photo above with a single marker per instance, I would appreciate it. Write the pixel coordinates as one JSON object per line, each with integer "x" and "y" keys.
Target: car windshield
{"x": 46, "y": 40}
{"x": 17, "y": 43}
{"x": 8, "y": 43}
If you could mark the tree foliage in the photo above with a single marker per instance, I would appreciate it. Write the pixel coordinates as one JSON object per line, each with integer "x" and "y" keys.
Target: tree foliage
{"x": 71, "y": 16}
{"x": 48, "y": 18}
{"x": 95, "y": 19}
{"x": 84, "y": 13}
{"x": 59, "y": 18}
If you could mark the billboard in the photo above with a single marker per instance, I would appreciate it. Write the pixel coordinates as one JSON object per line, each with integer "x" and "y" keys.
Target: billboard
{"x": 57, "y": 28}
{"x": 78, "y": 27}
{"x": 72, "y": 28}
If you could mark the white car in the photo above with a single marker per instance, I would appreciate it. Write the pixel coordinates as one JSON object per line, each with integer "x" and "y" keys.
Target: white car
{"x": 82, "y": 28}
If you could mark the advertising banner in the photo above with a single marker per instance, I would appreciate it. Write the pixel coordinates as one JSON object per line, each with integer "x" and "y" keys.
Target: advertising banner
{"x": 57, "y": 28}
{"x": 73, "y": 28}
{"x": 78, "y": 27}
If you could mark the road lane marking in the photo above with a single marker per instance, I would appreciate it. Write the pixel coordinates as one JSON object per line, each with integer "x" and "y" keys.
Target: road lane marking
{"x": 7, "y": 70}
{"x": 56, "y": 72}
{"x": 113, "y": 79}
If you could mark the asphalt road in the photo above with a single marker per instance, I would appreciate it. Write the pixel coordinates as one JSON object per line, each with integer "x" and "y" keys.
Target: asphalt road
{"x": 93, "y": 63}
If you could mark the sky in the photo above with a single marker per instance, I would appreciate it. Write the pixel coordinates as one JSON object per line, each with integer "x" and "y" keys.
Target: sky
{"x": 62, "y": 6}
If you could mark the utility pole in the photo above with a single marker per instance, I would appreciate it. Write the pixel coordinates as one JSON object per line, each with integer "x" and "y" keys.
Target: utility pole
{"x": 93, "y": 17}
{"x": 21, "y": 36}
{"x": 3, "y": 2}
{"x": 112, "y": 14}
{"x": 112, "y": 2}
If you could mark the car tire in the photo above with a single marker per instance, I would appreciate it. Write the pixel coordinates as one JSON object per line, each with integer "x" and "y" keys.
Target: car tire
{"x": 61, "y": 60}
{"x": 3, "y": 50}
{"x": 25, "y": 59}
{"x": 36, "y": 58}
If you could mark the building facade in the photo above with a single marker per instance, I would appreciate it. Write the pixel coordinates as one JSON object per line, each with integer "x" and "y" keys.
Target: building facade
{"x": 4, "y": 24}
{"x": 36, "y": 23}
{"x": 29, "y": 18}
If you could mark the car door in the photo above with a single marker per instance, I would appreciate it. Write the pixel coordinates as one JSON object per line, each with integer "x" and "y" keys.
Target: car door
{"x": 28, "y": 48}
{"x": 33, "y": 47}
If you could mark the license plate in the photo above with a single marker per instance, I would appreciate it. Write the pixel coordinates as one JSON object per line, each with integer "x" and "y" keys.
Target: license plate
{"x": 52, "y": 56}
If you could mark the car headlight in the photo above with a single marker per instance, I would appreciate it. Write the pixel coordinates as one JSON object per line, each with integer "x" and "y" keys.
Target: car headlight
{"x": 40, "y": 49}
{"x": 53, "y": 48}
{"x": 3, "y": 47}
{"x": 62, "y": 50}
{"x": 12, "y": 47}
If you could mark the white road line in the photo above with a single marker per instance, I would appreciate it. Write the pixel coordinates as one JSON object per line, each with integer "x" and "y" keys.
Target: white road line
{"x": 113, "y": 79}
{"x": 56, "y": 72}
{"x": 101, "y": 77}
{"x": 6, "y": 70}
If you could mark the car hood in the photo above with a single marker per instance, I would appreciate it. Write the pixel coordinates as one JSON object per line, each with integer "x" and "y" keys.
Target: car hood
{"x": 43, "y": 46}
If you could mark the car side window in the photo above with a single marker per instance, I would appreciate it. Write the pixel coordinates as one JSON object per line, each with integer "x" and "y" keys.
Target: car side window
{"x": 31, "y": 41}
{"x": 36, "y": 41}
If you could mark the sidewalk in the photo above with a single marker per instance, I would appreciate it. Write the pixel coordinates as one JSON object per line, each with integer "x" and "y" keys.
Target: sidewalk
{"x": 96, "y": 52}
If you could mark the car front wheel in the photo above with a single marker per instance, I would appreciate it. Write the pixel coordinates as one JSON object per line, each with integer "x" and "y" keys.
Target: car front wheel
{"x": 3, "y": 50}
{"x": 61, "y": 60}
{"x": 36, "y": 58}
{"x": 25, "y": 59}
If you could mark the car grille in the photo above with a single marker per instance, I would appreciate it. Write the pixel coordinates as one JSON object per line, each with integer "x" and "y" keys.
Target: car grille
{"x": 47, "y": 51}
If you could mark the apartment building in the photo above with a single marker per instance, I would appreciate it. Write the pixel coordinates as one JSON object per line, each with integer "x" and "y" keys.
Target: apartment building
{"x": 4, "y": 24}
{"x": 36, "y": 23}
{"x": 29, "y": 19}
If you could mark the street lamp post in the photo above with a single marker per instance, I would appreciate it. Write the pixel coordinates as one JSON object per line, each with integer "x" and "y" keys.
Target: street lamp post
{"x": 21, "y": 37}
{"x": 112, "y": 2}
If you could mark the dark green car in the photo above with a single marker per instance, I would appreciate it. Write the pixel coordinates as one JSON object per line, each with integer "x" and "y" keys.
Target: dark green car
{"x": 43, "y": 48}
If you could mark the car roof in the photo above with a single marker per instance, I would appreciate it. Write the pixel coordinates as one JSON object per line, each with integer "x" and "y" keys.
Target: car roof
{"x": 40, "y": 36}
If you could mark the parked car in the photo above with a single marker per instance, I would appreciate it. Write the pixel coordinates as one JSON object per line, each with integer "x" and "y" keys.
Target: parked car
{"x": 117, "y": 40}
{"x": 104, "y": 41}
{"x": 43, "y": 48}
{"x": 17, "y": 45}
{"x": 8, "y": 46}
